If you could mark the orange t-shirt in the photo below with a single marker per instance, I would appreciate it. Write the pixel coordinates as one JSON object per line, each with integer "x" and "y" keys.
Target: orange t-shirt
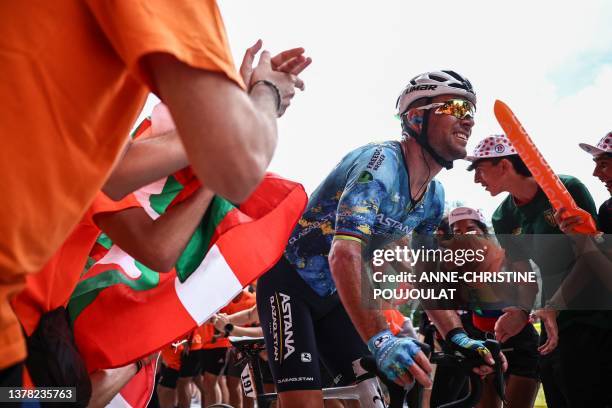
{"x": 205, "y": 333}
{"x": 196, "y": 341}
{"x": 172, "y": 356}
{"x": 246, "y": 301}
{"x": 53, "y": 285}
{"x": 75, "y": 84}
{"x": 395, "y": 320}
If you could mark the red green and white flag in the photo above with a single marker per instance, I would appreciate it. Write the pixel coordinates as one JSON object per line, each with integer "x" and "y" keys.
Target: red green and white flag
{"x": 123, "y": 311}
{"x": 138, "y": 391}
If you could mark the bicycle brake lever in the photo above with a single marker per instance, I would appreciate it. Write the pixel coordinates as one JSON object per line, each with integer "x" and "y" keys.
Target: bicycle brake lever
{"x": 444, "y": 359}
{"x": 424, "y": 347}
{"x": 500, "y": 384}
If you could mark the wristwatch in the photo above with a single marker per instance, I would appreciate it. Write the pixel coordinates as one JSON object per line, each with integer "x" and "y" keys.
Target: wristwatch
{"x": 228, "y": 329}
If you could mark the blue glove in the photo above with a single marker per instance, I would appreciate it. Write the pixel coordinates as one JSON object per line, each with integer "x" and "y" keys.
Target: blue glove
{"x": 393, "y": 355}
{"x": 459, "y": 339}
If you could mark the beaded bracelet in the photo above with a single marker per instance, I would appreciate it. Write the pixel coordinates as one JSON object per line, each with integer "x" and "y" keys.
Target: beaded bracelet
{"x": 274, "y": 88}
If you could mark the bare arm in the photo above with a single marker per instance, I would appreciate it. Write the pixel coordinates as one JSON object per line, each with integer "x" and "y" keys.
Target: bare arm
{"x": 591, "y": 263}
{"x": 346, "y": 264}
{"x": 241, "y": 318}
{"x": 229, "y": 137}
{"x": 244, "y": 317}
{"x": 444, "y": 320}
{"x": 247, "y": 331}
{"x": 145, "y": 161}
{"x": 156, "y": 243}
{"x": 105, "y": 384}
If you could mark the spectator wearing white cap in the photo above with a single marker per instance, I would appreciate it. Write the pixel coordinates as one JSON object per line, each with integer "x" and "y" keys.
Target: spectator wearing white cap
{"x": 527, "y": 212}
{"x": 602, "y": 156}
{"x": 466, "y": 220}
{"x": 490, "y": 317}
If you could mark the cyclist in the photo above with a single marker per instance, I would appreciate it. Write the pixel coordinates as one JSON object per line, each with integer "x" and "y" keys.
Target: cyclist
{"x": 522, "y": 354}
{"x": 310, "y": 302}
{"x": 244, "y": 301}
{"x": 215, "y": 348}
{"x": 242, "y": 323}
{"x": 525, "y": 212}
{"x": 190, "y": 371}
{"x": 169, "y": 375}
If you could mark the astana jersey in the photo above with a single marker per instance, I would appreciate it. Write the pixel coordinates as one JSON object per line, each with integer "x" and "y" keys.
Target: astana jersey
{"x": 365, "y": 197}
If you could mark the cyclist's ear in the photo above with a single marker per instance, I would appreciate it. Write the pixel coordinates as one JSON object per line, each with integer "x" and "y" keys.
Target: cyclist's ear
{"x": 412, "y": 121}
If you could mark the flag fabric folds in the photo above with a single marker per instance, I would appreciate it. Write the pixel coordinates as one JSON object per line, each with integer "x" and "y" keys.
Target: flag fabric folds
{"x": 138, "y": 391}
{"x": 123, "y": 311}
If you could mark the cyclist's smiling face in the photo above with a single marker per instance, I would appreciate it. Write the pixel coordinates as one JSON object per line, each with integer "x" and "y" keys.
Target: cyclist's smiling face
{"x": 603, "y": 170}
{"x": 447, "y": 134}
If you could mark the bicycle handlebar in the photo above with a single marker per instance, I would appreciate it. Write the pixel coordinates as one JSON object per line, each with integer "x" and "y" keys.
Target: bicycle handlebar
{"x": 456, "y": 360}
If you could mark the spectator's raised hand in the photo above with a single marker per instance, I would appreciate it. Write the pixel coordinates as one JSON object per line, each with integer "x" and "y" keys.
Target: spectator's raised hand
{"x": 278, "y": 73}
{"x": 220, "y": 320}
{"x": 246, "y": 68}
{"x": 567, "y": 223}
{"x": 290, "y": 61}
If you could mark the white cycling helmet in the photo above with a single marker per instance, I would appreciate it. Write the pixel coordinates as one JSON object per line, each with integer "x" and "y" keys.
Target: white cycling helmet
{"x": 434, "y": 83}
{"x": 430, "y": 85}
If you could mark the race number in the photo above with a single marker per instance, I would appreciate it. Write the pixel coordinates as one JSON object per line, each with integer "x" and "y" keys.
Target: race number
{"x": 247, "y": 382}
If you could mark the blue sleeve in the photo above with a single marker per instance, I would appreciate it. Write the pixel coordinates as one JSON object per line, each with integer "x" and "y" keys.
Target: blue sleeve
{"x": 366, "y": 191}
{"x": 434, "y": 211}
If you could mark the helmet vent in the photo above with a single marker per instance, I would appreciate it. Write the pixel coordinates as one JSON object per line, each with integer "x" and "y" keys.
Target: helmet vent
{"x": 460, "y": 86}
{"x": 437, "y": 78}
{"x": 454, "y": 75}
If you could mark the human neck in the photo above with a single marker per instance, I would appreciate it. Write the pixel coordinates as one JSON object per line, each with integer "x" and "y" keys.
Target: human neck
{"x": 523, "y": 189}
{"x": 422, "y": 168}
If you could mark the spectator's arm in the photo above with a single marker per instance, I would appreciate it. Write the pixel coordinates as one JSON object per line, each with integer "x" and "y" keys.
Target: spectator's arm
{"x": 244, "y": 317}
{"x": 105, "y": 384}
{"x": 156, "y": 243}
{"x": 229, "y": 137}
{"x": 247, "y": 331}
{"x": 144, "y": 161}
